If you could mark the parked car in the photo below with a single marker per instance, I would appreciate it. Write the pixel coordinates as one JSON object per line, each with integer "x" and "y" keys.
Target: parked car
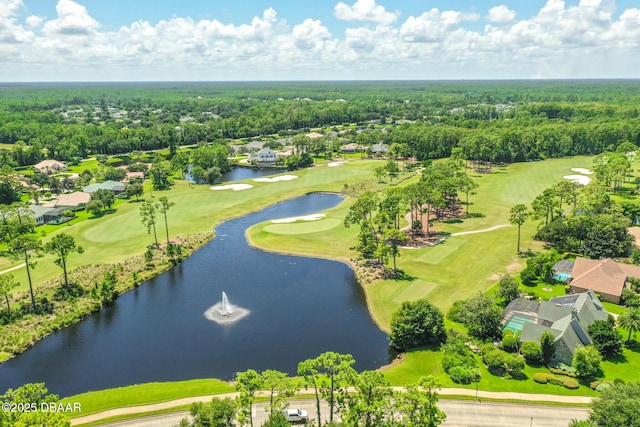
{"x": 296, "y": 415}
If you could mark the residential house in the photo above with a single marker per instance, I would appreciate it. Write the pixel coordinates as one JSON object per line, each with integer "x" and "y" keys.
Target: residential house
{"x": 379, "y": 149}
{"x": 133, "y": 176}
{"x": 567, "y": 317}
{"x": 115, "y": 186}
{"x": 315, "y": 135}
{"x": 72, "y": 201}
{"x": 266, "y": 155}
{"x": 50, "y": 166}
{"x": 43, "y": 214}
{"x": 605, "y": 276}
{"x": 352, "y": 148}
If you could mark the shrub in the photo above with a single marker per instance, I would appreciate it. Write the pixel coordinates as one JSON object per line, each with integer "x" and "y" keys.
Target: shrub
{"x": 618, "y": 381}
{"x": 509, "y": 342}
{"x": 595, "y": 384}
{"x": 602, "y": 387}
{"x": 531, "y": 352}
{"x": 570, "y": 383}
{"x": 541, "y": 377}
{"x": 563, "y": 372}
{"x": 460, "y": 375}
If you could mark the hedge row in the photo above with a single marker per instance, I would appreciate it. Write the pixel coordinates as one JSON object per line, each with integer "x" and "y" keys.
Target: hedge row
{"x": 544, "y": 378}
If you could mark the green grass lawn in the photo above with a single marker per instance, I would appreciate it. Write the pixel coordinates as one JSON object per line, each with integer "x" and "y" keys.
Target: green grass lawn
{"x": 460, "y": 267}
{"x": 135, "y": 395}
{"x": 455, "y": 269}
{"x": 119, "y": 235}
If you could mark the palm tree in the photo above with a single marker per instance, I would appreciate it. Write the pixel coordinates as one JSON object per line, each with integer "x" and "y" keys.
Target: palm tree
{"x": 630, "y": 320}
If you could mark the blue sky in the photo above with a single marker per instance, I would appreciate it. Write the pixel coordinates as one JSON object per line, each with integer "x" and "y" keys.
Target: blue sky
{"x": 69, "y": 40}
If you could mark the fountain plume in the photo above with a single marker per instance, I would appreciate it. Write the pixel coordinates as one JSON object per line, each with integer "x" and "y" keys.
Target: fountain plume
{"x": 225, "y": 313}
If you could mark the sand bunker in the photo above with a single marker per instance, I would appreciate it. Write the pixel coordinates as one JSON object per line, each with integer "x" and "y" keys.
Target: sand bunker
{"x": 313, "y": 217}
{"x": 580, "y": 179}
{"x": 276, "y": 178}
{"x": 334, "y": 164}
{"x": 234, "y": 187}
{"x": 582, "y": 171}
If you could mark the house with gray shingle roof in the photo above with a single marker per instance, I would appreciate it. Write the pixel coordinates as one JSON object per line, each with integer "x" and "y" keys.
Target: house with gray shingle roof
{"x": 43, "y": 214}
{"x": 567, "y": 317}
{"x": 115, "y": 186}
{"x": 266, "y": 155}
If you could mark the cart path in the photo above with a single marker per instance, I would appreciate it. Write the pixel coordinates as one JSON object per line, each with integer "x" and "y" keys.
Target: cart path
{"x": 495, "y": 227}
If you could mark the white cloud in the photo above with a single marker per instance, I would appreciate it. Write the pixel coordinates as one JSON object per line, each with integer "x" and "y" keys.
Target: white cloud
{"x": 10, "y": 32}
{"x": 587, "y": 39}
{"x": 365, "y": 10}
{"x": 433, "y": 26}
{"x": 34, "y": 21}
{"x": 73, "y": 19}
{"x": 311, "y": 34}
{"x": 501, "y": 14}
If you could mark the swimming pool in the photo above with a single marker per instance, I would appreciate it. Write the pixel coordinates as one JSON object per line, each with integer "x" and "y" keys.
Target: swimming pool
{"x": 516, "y": 323}
{"x": 562, "y": 277}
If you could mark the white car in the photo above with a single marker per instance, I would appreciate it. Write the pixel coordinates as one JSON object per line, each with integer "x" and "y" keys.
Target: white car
{"x": 296, "y": 415}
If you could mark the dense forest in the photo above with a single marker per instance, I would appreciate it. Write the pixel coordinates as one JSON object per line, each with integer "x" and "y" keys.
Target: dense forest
{"x": 489, "y": 121}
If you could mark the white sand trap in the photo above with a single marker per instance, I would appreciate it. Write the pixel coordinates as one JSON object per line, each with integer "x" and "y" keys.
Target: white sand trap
{"x": 334, "y": 164}
{"x": 276, "y": 178}
{"x": 234, "y": 187}
{"x": 582, "y": 171}
{"x": 580, "y": 179}
{"x": 313, "y": 217}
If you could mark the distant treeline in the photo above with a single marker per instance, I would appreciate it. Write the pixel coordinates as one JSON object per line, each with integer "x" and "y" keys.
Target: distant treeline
{"x": 489, "y": 121}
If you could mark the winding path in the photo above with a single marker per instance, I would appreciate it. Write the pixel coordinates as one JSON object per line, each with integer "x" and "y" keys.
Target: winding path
{"x": 495, "y": 227}
{"x": 15, "y": 267}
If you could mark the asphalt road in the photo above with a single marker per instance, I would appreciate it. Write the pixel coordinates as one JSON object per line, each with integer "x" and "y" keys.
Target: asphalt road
{"x": 467, "y": 413}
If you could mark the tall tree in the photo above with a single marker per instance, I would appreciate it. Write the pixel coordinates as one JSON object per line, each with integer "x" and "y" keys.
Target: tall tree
{"x": 25, "y": 246}
{"x": 105, "y": 196}
{"x": 617, "y": 406}
{"x": 164, "y": 205}
{"x": 418, "y": 404}
{"x": 148, "y": 212}
{"x": 280, "y": 387}
{"x": 508, "y": 288}
{"x": 247, "y": 383}
{"x": 7, "y": 283}
{"x": 326, "y": 373}
{"x": 416, "y": 323}
{"x": 630, "y": 320}
{"x": 369, "y": 403}
{"x": 519, "y": 214}
{"x": 62, "y": 245}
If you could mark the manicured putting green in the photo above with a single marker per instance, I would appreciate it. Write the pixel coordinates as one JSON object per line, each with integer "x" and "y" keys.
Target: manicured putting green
{"x": 303, "y": 227}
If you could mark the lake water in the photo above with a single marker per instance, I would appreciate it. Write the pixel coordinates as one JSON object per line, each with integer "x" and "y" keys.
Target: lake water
{"x": 300, "y": 307}
{"x": 239, "y": 173}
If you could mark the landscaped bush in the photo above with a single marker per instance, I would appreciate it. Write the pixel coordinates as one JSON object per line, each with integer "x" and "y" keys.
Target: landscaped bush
{"x": 544, "y": 378}
{"x": 462, "y": 375}
{"x": 570, "y": 383}
{"x": 458, "y": 359}
{"x": 602, "y": 387}
{"x": 541, "y": 377}
{"x": 509, "y": 342}
{"x": 563, "y": 372}
{"x": 532, "y": 352}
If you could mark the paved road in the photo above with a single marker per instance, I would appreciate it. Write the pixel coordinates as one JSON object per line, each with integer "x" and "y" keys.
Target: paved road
{"x": 459, "y": 413}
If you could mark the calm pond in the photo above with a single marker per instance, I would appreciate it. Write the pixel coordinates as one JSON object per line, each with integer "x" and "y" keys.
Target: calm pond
{"x": 299, "y": 308}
